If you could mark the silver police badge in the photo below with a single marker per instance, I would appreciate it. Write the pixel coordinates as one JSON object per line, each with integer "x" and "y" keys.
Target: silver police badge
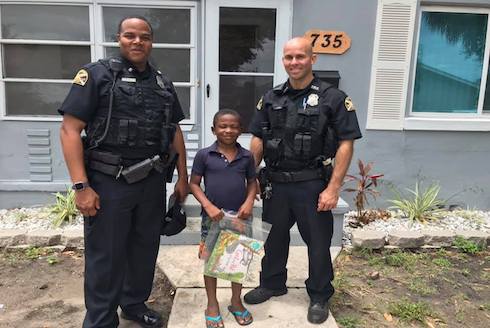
{"x": 312, "y": 99}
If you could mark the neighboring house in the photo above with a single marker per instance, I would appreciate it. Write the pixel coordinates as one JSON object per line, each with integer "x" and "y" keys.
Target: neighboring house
{"x": 416, "y": 70}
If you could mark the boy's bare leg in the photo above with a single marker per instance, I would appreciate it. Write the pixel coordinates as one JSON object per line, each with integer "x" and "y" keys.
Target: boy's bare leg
{"x": 212, "y": 309}
{"x": 236, "y": 299}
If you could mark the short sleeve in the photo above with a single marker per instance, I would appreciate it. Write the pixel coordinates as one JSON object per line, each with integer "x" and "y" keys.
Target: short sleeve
{"x": 259, "y": 117}
{"x": 251, "y": 174}
{"x": 199, "y": 163}
{"x": 343, "y": 115}
{"x": 82, "y": 99}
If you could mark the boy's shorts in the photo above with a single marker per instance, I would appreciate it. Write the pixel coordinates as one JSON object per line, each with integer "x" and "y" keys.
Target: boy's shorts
{"x": 205, "y": 227}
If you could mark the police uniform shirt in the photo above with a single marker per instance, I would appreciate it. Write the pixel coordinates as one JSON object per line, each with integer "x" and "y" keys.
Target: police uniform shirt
{"x": 335, "y": 103}
{"x": 91, "y": 88}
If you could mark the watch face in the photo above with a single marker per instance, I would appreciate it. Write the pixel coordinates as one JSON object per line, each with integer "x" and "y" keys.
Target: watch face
{"x": 79, "y": 186}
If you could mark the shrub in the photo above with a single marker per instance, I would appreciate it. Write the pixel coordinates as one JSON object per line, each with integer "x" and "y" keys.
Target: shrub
{"x": 65, "y": 209}
{"x": 422, "y": 205}
{"x": 365, "y": 186}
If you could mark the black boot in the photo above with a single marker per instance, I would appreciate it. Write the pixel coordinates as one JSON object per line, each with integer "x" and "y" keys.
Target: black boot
{"x": 262, "y": 294}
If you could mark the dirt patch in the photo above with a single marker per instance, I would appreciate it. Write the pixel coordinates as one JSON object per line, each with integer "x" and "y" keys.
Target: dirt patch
{"x": 41, "y": 288}
{"x": 444, "y": 288}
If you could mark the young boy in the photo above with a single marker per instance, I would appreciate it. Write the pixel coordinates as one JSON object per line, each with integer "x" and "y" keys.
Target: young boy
{"x": 229, "y": 180}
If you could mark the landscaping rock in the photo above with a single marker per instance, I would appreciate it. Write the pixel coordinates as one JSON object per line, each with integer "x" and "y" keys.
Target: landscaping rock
{"x": 478, "y": 237}
{"x": 12, "y": 237}
{"x": 406, "y": 238}
{"x": 439, "y": 237}
{"x": 368, "y": 239}
{"x": 43, "y": 237}
{"x": 72, "y": 238}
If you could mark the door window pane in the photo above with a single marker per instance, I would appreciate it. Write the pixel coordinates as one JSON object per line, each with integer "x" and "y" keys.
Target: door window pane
{"x": 174, "y": 63}
{"x": 169, "y": 25}
{"x": 43, "y": 22}
{"x": 242, "y": 94}
{"x": 31, "y": 99}
{"x": 450, "y": 62}
{"x": 184, "y": 95}
{"x": 486, "y": 103}
{"x": 58, "y": 62}
{"x": 247, "y": 40}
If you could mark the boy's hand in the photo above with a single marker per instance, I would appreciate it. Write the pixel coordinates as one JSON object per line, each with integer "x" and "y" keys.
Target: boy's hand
{"x": 245, "y": 210}
{"x": 214, "y": 213}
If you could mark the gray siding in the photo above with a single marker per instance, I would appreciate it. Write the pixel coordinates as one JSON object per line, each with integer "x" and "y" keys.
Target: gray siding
{"x": 458, "y": 161}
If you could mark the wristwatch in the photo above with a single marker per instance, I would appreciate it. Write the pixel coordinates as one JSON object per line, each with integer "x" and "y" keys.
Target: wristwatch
{"x": 79, "y": 186}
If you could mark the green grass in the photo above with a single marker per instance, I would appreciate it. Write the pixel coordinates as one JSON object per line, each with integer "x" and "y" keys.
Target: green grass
{"x": 467, "y": 246}
{"x": 442, "y": 262}
{"x": 420, "y": 287}
{"x": 409, "y": 311}
{"x": 340, "y": 282}
{"x": 348, "y": 322}
{"x": 33, "y": 252}
{"x": 409, "y": 261}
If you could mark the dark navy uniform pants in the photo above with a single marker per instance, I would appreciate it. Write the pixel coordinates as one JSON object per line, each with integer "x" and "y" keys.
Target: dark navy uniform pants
{"x": 121, "y": 246}
{"x": 290, "y": 203}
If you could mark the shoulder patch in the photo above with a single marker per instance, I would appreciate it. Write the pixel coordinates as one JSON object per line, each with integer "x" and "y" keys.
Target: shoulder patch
{"x": 81, "y": 78}
{"x": 259, "y": 104}
{"x": 349, "y": 105}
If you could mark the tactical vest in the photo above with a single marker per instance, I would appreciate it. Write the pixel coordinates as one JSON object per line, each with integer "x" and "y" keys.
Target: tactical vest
{"x": 297, "y": 139}
{"x": 140, "y": 117}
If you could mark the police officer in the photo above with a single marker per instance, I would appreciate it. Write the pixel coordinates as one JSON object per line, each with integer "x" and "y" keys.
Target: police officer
{"x": 298, "y": 128}
{"x": 130, "y": 114}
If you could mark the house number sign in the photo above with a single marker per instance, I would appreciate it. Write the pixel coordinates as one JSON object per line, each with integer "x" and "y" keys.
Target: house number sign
{"x": 329, "y": 42}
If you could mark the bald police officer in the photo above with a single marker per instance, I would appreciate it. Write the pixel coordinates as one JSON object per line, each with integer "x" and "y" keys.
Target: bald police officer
{"x": 299, "y": 128}
{"x": 130, "y": 113}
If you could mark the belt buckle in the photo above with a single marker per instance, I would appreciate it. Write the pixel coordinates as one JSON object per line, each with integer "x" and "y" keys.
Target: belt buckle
{"x": 119, "y": 172}
{"x": 289, "y": 176}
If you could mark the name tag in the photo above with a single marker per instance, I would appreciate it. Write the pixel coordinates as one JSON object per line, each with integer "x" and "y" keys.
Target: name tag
{"x": 129, "y": 79}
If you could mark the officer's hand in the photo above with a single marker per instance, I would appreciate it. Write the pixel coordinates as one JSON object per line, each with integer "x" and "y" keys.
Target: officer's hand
{"x": 181, "y": 190}
{"x": 327, "y": 200}
{"x": 87, "y": 201}
{"x": 214, "y": 213}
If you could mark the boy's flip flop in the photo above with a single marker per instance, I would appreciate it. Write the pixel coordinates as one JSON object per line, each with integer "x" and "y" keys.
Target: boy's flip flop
{"x": 242, "y": 318}
{"x": 213, "y": 322}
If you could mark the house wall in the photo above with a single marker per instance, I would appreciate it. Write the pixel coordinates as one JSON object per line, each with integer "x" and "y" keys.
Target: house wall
{"x": 32, "y": 166}
{"x": 458, "y": 161}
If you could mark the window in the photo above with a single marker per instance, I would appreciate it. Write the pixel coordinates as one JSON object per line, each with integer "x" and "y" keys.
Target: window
{"x": 451, "y": 77}
{"x": 43, "y": 46}
{"x": 173, "y": 51}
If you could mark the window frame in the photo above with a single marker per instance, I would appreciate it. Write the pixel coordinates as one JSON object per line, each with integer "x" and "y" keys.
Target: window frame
{"x": 97, "y": 44}
{"x": 479, "y": 121}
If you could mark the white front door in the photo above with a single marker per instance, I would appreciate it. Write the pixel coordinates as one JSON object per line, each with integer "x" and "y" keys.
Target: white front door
{"x": 243, "y": 50}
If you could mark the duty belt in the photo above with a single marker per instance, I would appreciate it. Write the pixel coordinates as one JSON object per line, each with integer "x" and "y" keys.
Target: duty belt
{"x": 132, "y": 171}
{"x": 296, "y": 176}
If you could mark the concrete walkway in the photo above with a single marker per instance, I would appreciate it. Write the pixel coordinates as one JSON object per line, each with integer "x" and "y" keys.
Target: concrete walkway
{"x": 184, "y": 270}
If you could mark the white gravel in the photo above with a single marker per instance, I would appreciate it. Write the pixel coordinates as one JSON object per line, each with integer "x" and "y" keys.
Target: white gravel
{"x": 478, "y": 220}
{"x": 35, "y": 218}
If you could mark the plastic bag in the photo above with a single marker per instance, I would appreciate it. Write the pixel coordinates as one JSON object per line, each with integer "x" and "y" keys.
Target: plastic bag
{"x": 231, "y": 244}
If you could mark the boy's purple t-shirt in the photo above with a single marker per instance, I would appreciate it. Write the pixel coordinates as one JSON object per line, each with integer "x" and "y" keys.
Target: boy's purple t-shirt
{"x": 224, "y": 182}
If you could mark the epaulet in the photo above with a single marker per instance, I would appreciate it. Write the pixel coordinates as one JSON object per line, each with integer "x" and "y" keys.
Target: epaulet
{"x": 113, "y": 64}
{"x": 280, "y": 88}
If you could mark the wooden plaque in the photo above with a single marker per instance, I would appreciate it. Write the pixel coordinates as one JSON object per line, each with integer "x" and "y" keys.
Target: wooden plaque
{"x": 329, "y": 42}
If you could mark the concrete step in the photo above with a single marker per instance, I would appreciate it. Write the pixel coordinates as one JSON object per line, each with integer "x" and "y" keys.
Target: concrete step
{"x": 287, "y": 311}
{"x": 184, "y": 270}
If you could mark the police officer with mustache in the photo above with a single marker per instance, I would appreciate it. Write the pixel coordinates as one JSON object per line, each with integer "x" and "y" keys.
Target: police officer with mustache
{"x": 129, "y": 112}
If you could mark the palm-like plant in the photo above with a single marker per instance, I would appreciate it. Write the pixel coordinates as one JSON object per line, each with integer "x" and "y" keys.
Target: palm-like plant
{"x": 365, "y": 186}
